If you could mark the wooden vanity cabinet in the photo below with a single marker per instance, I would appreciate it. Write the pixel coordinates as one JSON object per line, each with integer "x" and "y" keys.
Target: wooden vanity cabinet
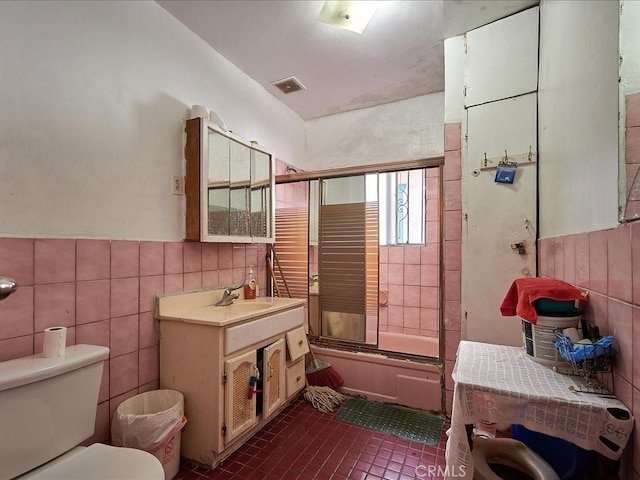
{"x": 212, "y": 366}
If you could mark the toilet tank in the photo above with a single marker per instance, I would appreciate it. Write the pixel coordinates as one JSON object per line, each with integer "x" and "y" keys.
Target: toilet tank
{"x": 47, "y": 406}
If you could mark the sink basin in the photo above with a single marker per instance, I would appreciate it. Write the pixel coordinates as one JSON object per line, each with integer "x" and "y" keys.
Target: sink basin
{"x": 246, "y": 306}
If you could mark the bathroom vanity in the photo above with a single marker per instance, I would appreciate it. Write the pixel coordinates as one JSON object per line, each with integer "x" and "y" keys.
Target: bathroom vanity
{"x": 237, "y": 366}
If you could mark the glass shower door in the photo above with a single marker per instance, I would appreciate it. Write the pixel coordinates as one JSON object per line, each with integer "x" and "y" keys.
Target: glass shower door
{"x": 348, "y": 261}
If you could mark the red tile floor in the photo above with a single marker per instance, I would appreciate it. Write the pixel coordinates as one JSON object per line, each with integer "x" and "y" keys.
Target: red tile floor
{"x": 304, "y": 444}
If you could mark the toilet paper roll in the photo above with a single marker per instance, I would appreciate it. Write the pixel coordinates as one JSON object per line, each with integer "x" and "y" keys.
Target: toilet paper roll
{"x": 55, "y": 340}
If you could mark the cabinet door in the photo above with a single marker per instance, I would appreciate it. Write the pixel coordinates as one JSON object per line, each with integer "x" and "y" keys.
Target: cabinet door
{"x": 497, "y": 215}
{"x": 273, "y": 377}
{"x": 240, "y": 176}
{"x": 240, "y": 411}
{"x": 217, "y": 184}
{"x": 496, "y": 73}
{"x": 261, "y": 192}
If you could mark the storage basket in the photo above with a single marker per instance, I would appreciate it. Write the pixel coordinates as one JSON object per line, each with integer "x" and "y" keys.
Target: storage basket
{"x": 590, "y": 362}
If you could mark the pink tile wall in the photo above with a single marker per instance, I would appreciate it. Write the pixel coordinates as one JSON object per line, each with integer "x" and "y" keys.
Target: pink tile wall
{"x": 607, "y": 264}
{"x": 452, "y": 251}
{"x": 632, "y": 150}
{"x": 409, "y": 275}
{"x": 103, "y": 292}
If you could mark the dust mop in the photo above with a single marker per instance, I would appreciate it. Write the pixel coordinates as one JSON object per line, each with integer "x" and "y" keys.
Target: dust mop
{"x": 324, "y": 399}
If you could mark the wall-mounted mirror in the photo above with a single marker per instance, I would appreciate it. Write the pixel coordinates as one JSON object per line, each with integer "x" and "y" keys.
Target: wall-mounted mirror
{"x": 218, "y": 184}
{"x": 260, "y": 194}
{"x": 629, "y": 133}
{"x": 240, "y": 179}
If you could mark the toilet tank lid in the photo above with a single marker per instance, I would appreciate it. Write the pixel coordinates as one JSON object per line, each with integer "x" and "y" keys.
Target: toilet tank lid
{"x": 25, "y": 370}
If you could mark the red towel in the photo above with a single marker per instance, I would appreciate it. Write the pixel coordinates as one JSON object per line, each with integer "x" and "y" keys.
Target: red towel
{"x": 524, "y": 291}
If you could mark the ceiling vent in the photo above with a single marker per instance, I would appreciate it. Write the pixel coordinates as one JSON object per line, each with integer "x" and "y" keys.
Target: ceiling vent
{"x": 288, "y": 85}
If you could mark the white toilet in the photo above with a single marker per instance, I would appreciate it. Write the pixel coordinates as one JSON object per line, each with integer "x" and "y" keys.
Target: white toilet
{"x": 513, "y": 454}
{"x": 47, "y": 408}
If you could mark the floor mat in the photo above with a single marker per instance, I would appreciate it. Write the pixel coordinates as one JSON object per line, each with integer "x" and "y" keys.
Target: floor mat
{"x": 403, "y": 422}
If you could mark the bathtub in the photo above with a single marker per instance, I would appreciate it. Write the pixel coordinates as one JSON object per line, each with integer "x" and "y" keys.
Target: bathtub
{"x": 384, "y": 379}
{"x": 400, "y": 342}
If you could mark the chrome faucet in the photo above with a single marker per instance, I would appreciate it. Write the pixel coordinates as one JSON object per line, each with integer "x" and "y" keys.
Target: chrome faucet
{"x": 228, "y": 296}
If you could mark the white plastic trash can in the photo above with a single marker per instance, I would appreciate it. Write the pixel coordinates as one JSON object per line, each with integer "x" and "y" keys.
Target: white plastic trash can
{"x": 152, "y": 421}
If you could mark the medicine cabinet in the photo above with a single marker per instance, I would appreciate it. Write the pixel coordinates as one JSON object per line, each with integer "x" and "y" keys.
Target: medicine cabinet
{"x": 229, "y": 186}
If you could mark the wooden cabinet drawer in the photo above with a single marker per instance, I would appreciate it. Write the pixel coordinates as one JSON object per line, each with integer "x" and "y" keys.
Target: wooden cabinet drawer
{"x": 297, "y": 344}
{"x": 256, "y": 331}
{"x": 295, "y": 377}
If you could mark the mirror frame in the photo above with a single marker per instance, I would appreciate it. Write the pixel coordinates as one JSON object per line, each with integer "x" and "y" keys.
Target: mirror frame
{"x": 629, "y": 106}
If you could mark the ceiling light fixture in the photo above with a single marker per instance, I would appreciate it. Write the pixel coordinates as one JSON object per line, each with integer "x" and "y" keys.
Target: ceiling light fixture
{"x": 350, "y": 15}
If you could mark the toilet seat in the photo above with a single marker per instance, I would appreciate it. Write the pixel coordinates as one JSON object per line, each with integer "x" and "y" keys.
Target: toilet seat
{"x": 510, "y": 452}
{"x": 101, "y": 462}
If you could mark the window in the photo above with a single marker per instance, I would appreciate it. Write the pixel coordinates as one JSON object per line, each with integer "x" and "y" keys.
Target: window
{"x": 402, "y": 206}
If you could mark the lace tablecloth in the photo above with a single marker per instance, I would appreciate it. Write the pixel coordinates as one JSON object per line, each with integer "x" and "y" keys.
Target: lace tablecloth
{"x": 502, "y": 384}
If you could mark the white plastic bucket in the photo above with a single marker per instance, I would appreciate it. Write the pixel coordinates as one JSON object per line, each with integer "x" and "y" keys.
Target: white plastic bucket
{"x": 538, "y": 338}
{"x": 152, "y": 421}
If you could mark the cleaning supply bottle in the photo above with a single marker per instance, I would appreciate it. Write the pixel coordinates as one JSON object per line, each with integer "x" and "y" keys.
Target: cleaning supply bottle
{"x": 250, "y": 286}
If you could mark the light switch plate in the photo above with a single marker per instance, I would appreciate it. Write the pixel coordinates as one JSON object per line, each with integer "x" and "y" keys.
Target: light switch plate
{"x": 177, "y": 186}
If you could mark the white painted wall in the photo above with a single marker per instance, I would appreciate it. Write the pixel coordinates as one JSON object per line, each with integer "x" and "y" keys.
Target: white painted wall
{"x": 94, "y": 95}
{"x": 578, "y": 116}
{"x": 454, "y": 79}
{"x": 411, "y": 129}
{"x": 630, "y": 46}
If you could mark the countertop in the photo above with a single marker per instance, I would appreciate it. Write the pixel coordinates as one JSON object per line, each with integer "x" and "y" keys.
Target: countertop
{"x": 199, "y": 307}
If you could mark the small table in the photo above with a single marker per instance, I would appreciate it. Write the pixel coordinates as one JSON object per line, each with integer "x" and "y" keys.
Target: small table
{"x": 502, "y": 384}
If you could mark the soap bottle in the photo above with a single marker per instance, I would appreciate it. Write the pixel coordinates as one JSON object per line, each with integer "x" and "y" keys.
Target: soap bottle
{"x": 250, "y": 286}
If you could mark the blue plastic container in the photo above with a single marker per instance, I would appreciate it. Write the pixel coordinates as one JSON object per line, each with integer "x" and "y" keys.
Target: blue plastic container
{"x": 568, "y": 460}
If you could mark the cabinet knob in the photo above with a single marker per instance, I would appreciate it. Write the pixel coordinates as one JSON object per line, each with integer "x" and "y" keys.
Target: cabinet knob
{"x": 298, "y": 378}
{"x": 300, "y": 343}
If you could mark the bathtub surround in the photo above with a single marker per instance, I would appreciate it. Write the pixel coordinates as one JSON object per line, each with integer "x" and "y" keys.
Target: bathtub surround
{"x": 103, "y": 292}
{"x": 384, "y": 379}
{"x": 409, "y": 277}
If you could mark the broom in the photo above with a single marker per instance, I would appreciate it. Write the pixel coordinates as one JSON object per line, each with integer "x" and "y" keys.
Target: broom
{"x": 320, "y": 373}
